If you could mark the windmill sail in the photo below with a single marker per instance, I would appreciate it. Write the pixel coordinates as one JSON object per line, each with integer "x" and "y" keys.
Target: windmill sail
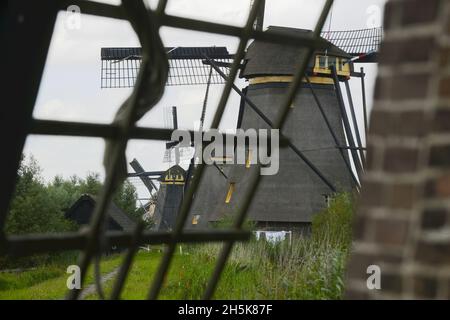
{"x": 120, "y": 66}
{"x": 364, "y": 43}
{"x": 146, "y": 180}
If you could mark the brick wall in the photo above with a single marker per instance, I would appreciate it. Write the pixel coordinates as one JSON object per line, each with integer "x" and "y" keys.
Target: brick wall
{"x": 403, "y": 218}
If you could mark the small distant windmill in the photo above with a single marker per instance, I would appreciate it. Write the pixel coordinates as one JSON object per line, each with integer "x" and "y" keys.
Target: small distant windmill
{"x": 325, "y": 153}
{"x": 147, "y": 179}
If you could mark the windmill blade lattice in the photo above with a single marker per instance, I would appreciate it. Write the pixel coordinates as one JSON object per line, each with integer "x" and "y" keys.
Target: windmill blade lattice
{"x": 356, "y": 42}
{"x": 120, "y": 66}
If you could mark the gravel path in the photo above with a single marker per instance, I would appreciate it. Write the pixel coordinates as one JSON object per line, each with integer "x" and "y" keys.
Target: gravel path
{"x": 91, "y": 289}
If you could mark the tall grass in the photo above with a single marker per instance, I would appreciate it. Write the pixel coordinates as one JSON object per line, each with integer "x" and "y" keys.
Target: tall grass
{"x": 312, "y": 267}
{"x": 309, "y": 268}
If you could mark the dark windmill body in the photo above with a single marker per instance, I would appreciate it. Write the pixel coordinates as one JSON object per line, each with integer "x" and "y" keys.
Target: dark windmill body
{"x": 288, "y": 199}
{"x": 170, "y": 195}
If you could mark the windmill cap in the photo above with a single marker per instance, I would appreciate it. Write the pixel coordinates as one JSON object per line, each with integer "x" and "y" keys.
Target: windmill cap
{"x": 266, "y": 58}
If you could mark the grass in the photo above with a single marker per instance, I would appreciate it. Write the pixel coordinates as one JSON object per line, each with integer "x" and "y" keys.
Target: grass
{"x": 311, "y": 268}
{"x": 47, "y": 282}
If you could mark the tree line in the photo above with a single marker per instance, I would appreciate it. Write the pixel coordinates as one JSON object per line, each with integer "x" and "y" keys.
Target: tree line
{"x": 39, "y": 207}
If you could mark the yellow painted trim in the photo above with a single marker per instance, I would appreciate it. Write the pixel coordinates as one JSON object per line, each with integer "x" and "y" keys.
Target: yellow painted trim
{"x": 342, "y": 70}
{"x": 195, "y": 219}
{"x": 320, "y": 80}
{"x": 288, "y": 79}
{"x": 268, "y": 79}
{"x": 230, "y": 192}
{"x": 171, "y": 182}
{"x": 222, "y": 159}
{"x": 249, "y": 159}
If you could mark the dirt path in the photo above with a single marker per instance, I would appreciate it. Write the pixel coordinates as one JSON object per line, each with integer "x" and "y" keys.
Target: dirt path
{"x": 91, "y": 288}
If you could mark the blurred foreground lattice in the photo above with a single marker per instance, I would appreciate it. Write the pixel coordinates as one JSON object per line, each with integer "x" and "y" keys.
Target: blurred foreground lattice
{"x": 25, "y": 61}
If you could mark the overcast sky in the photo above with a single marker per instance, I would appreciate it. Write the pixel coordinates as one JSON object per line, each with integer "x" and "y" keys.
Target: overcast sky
{"x": 70, "y": 88}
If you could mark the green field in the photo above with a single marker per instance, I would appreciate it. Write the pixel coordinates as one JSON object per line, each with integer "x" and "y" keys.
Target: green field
{"x": 45, "y": 282}
{"x": 309, "y": 268}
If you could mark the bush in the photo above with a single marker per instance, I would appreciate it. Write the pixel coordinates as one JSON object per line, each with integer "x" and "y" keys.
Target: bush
{"x": 334, "y": 224}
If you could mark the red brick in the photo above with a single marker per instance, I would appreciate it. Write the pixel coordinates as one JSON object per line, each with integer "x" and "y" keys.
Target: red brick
{"x": 356, "y": 295}
{"x": 433, "y": 253}
{"x": 391, "y": 232}
{"x": 391, "y": 282}
{"x": 359, "y": 262}
{"x": 448, "y": 289}
{"x": 440, "y": 156}
{"x": 448, "y": 26}
{"x": 425, "y": 287}
{"x": 410, "y": 124}
{"x": 397, "y": 123}
{"x": 382, "y": 122}
{"x": 407, "y": 51}
{"x": 383, "y": 88}
{"x": 392, "y": 11}
{"x": 372, "y": 157}
{"x": 410, "y": 86}
{"x": 438, "y": 187}
{"x": 396, "y": 86}
{"x": 445, "y": 57}
{"x": 401, "y": 160}
{"x": 419, "y": 11}
{"x": 359, "y": 227}
{"x": 444, "y": 87}
{"x": 441, "y": 121}
{"x": 403, "y": 196}
{"x": 434, "y": 218}
{"x": 402, "y": 87}
{"x": 373, "y": 194}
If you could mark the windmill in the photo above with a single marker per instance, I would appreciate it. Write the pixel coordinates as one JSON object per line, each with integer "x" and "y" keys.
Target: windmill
{"x": 168, "y": 196}
{"x": 325, "y": 153}
{"x": 119, "y": 70}
{"x": 147, "y": 179}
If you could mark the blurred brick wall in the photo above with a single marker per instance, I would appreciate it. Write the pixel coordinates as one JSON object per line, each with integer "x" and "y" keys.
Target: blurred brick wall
{"x": 403, "y": 218}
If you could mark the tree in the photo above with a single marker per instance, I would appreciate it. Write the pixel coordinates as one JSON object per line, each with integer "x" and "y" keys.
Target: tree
{"x": 91, "y": 184}
{"x": 33, "y": 209}
{"x": 126, "y": 198}
{"x": 39, "y": 208}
